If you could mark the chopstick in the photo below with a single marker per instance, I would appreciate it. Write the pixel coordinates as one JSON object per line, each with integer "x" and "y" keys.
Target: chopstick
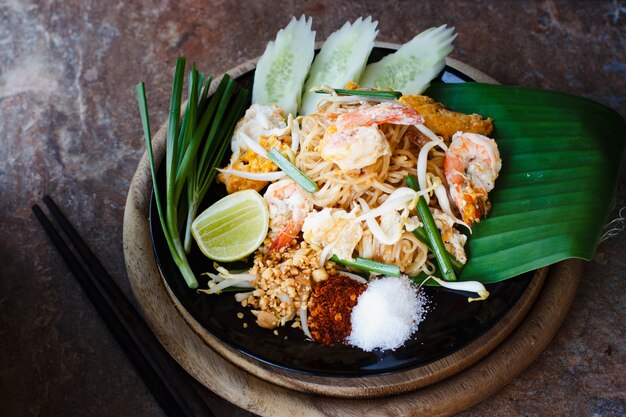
{"x": 172, "y": 387}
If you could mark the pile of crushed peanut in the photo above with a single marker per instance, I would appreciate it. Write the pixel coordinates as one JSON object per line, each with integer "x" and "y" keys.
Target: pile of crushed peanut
{"x": 286, "y": 278}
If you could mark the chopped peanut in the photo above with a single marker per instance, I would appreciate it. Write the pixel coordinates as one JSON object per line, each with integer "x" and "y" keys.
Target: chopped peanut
{"x": 266, "y": 320}
{"x": 284, "y": 283}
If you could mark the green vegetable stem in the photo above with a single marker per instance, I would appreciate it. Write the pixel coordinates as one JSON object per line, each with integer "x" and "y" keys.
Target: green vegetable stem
{"x": 421, "y": 234}
{"x": 434, "y": 237}
{"x": 191, "y": 154}
{"x": 291, "y": 170}
{"x": 392, "y": 95}
{"x": 369, "y": 266}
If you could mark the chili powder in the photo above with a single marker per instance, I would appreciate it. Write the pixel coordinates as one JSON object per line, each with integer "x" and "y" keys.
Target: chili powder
{"x": 330, "y": 307}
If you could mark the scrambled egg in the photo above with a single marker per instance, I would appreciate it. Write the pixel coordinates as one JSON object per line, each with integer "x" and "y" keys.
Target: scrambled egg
{"x": 266, "y": 126}
{"x": 444, "y": 122}
{"x": 333, "y": 227}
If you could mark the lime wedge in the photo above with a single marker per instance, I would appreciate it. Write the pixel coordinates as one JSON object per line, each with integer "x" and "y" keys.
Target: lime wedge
{"x": 233, "y": 227}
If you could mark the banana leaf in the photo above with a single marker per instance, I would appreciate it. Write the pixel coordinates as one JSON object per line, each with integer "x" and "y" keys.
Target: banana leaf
{"x": 560, "y": 160}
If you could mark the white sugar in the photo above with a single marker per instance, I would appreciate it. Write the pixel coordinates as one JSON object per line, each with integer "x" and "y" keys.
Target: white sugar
{"x": 387, "y": 313}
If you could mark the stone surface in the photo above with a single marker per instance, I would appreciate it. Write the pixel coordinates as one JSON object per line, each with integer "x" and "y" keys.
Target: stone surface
{"x": 70, "y": 128}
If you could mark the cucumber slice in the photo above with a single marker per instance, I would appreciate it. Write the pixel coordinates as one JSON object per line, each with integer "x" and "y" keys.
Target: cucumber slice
{"x": 412, "y": 67}
{"x": 341, "y": 59}
{"x": 282, "y": 69}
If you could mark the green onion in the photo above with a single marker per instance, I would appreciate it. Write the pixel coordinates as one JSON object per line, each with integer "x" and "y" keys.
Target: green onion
{"x": 392, "y": 95}
{"x": 200, "y": 178}
{"x": 436, "y": 243}
{"x": 290, "y": 169}
{"x": 443, "y": 260}
{"x": 420, "y": 233}
{"x": 191, "y": 154}
{"x": 369, "y": 265}
{"x": 422, "y": 236}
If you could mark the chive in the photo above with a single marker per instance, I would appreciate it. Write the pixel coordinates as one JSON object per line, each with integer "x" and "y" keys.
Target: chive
{"x": 365, "y": 93}
{"x": 218, "y": 152}
{"x": 204, "y": 92}
{"x": 435, "y": 240}
{"x": 179, "y": 259}
{"x": 172, "y": 152}
{"x": 420, "y": 232}
{"x": 199, "y": 181}
{"x": 290, "y": 169}
{"x": 422, "y": 236}
{"x": 191, "y": 154}
{"x": 436, "y": 243}
{"x": 369, "y": 265}
{"x": 239, "y": 107}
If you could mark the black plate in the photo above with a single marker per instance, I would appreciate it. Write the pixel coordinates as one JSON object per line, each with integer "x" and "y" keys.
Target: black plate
{"x": 450, "y": 324}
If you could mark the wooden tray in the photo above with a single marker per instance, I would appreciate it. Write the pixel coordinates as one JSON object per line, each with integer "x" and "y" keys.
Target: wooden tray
{"x": 443, "y": 387}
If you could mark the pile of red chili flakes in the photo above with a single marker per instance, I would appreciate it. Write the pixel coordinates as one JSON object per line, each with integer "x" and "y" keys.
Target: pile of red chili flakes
{"x": 330, "y": 307}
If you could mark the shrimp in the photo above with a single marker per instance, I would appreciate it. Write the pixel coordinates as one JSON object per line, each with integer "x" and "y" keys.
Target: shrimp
{"x": 354, "y": 141}
{"x": 288, "y": 206}
{"x": 471, "y": 166}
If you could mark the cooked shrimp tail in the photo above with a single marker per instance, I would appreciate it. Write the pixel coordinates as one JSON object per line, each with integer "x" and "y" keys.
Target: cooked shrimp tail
{"x": 354, "y": 140}
{"x": 471, "y": 166}
{"x": 286, "y": 235}
{"x": 288, "y": 205}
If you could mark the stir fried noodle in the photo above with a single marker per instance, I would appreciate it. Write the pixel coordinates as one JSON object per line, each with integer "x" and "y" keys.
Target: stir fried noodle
{"x": 373, "y": 184}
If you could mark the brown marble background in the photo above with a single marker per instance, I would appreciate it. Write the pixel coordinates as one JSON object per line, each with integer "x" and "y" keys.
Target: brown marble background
{"x": 69, "y": 127}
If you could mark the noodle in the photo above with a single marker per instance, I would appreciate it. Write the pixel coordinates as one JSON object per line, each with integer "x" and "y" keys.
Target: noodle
{"x": 341, "y": 189}
{"x": 409, "y": 253}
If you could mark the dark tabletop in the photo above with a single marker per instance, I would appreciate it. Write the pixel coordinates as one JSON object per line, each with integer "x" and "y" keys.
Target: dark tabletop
{"x": 69, "y": 127}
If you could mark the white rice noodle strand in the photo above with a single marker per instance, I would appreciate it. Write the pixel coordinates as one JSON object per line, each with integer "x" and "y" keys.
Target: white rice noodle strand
{"x": 303, "y": 320}
{"x": 252, "y": 144}
{"x": 257, "y": 176}
{"x": 226, "y": 279}
{"x": 422, "y": 160}
{"x": 355, "y": 277}
{"x": 295, "y": 133}
{"x": 374, "y": 227}
{"x": 468, "y": 286}
{"x": 226, "y": 272}
{"x": 444, "y": 203}
{"x": 399, "y": 199}
{"x": 431, "y": 135}
{"x": 231, "y": 282}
